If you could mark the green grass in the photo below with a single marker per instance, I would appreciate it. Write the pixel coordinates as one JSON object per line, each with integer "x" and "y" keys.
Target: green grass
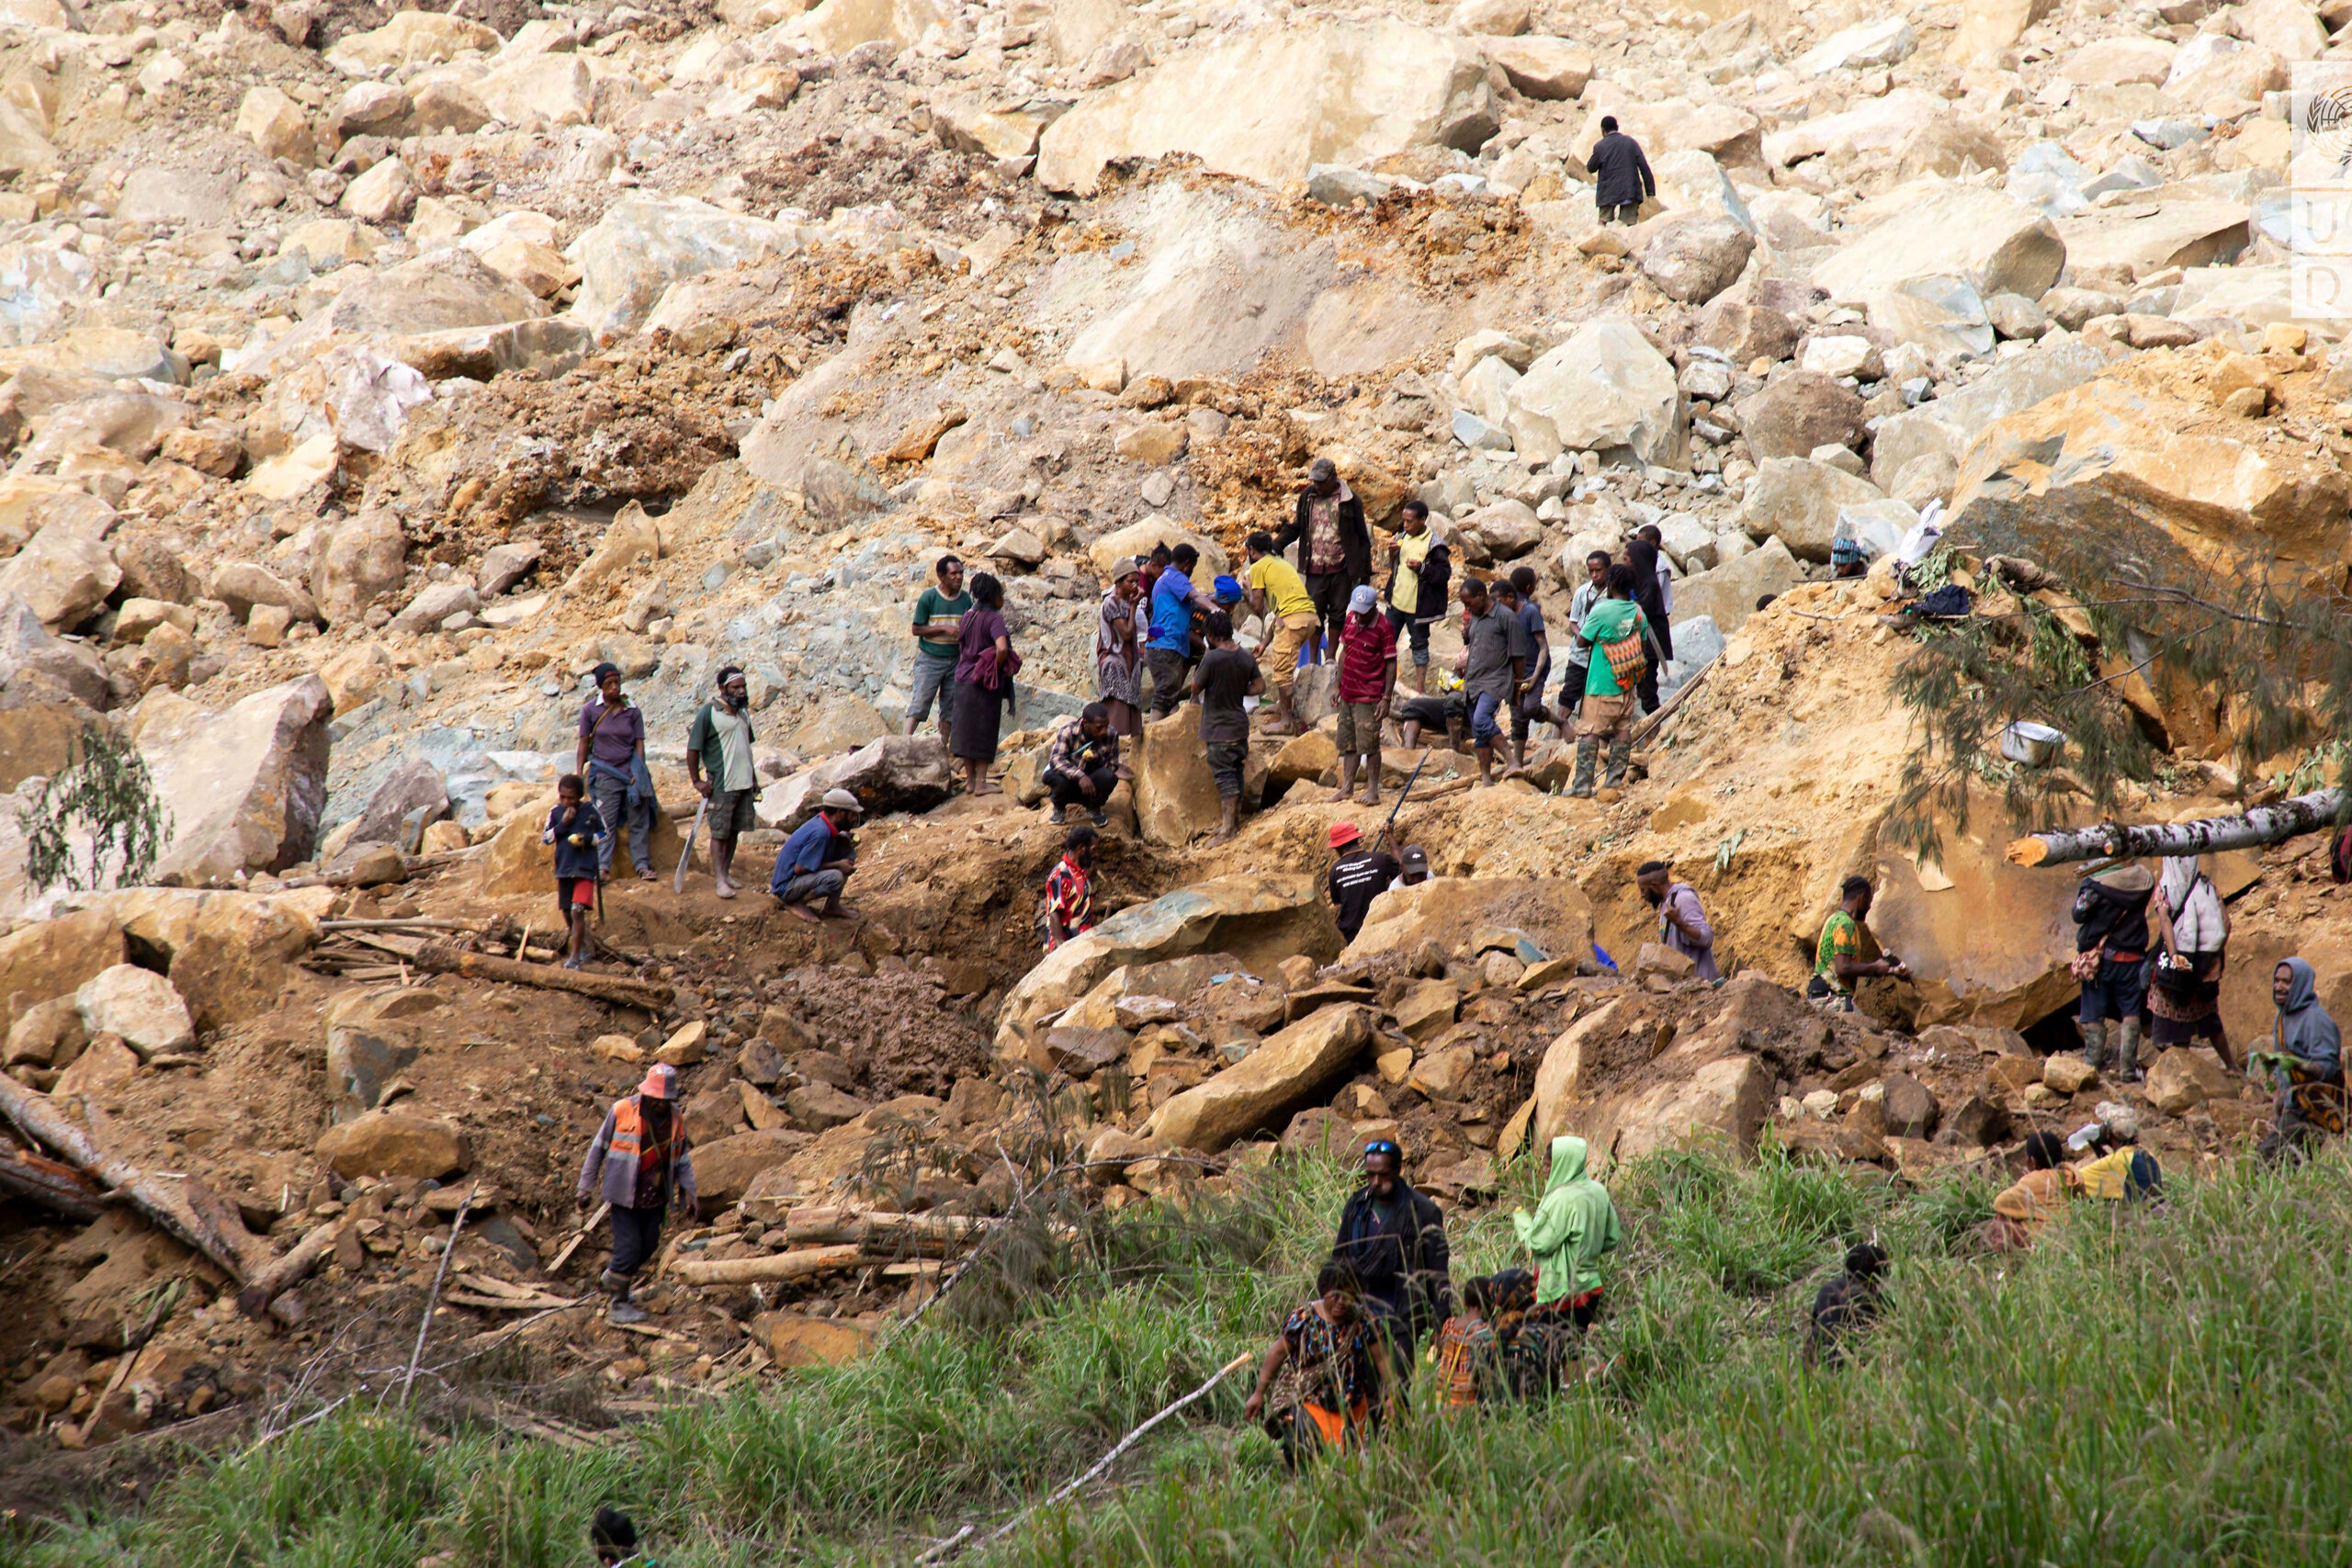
{"x": 2145, "y": 1389}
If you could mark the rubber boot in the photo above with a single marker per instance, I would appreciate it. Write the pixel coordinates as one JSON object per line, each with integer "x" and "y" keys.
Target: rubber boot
{"x": 2093, "y": 1043}
{"x": 2127, "y": 1051}
{"x": 622, "y": 1309}
{"x": 1588, "y": 760}
{"x": 1621, "y": 757}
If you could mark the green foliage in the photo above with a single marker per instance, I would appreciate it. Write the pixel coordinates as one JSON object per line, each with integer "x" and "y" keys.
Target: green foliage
{"x": 107, "y": 794}
{"x": 2272, "y": 652}
{"x": 2149, "y": 1386}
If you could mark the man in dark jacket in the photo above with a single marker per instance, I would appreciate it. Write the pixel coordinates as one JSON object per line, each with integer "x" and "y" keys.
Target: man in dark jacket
{"x": 1334, "y": 546}
{"x": 1621, "y": 177}
{"x": 1394, "y": 1240}
{"x": 2111, "y": 959}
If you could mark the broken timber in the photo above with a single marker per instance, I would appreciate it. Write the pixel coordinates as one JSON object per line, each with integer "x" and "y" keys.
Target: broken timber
{"x": 435, "y": 958}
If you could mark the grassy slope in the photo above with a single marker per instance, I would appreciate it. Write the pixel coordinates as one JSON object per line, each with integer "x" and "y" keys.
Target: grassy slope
{"x": 2168, "y": 1389}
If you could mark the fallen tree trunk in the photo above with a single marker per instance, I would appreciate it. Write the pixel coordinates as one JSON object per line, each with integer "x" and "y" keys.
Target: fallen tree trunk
{"x": 289, "y": 1270}
{"x": 773, "y": 1266}
{"x": 436, "y": 958}
{"x": 40, "y": 1120}
{"x": 2263, "y": 825}
{"x": 817, "y": 1226}
{"x": 56, "y": 1186}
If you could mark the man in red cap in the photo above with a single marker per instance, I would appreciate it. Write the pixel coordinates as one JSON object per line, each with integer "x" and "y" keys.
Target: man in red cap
{"x": 640, "y": 1157}
{"x": 1360, "y": 875}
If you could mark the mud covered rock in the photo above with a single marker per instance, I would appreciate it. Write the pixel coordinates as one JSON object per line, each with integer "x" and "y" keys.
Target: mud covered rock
{"x": 393, "y": 1142}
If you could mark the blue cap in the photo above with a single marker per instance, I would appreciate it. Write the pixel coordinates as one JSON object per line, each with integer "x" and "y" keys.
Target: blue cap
{"x": 1228, "y": 590}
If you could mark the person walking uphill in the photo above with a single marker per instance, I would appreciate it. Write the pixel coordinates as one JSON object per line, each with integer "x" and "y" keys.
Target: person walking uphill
{"x": 1622, "y": 180}
{"x": 718, "y": 761}
{"x": 611, "y": 758}
{"x": 939, "y": 617}
{"x": 1226, "y": 676}
{"x": 985, "y": 666}
{"x": 1394, "y": 1240}
{"x": 2111, "y": 961}
{"x": 641, "y": 1165}
{"x": 579, "y": 835}
{"x": 1334, "y": 546}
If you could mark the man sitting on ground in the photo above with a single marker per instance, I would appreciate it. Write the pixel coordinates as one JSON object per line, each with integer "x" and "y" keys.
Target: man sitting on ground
{"x": 1362, "y": 874}
{"x": 815, "y": 864}
{"x": 2034, "y": 1199}
{"x": 1082, "y": 768}
{"x": 2120, "y": 1171}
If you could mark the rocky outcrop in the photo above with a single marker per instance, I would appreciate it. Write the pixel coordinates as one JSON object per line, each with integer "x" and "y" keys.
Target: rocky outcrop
{"x": 245, "y": 786}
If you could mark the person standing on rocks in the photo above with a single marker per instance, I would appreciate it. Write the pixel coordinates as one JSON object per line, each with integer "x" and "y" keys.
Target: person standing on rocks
{"x": 939, "y": 620}
{"x": 1278, "y": 592}
{"x": 1082, "y": 767}
{"x": 641, "y": 1165}
{"x": 1417, "y": 583}
{"x": 1656, "y": 538}
{"x": 1362, "y": 874}
{"x": 2111, "y": 961}
{"x": 719, "y": 762}
{"x": 1648, "y": 565}
{"x": 1118, "y": 649}
{"x": 579, "y": 835}
{"x": 1622, "y": 180}
{"x": 1224, "y": 676}
{"x": 1069, "y": 889}
{"x": 1517, "y": 596}
{"x": 1494, "y": 668}
{"x": 1168, "y": 649}
{"x": 985, "y": 665}
{"x": 611, "y": 757}
{"x": 1334, "y": 546}
{"x": 1838, "y": 961}
{"x": 2193, "y": 928}
{"x": 1588, "y": 594}
{"x": 816, "y": 862}
{"x": 1682, "y": 923}
{"x": 1394, "y": 1240}
{"x": 1367, "y": 661}
{"x": 1612, "y": 633}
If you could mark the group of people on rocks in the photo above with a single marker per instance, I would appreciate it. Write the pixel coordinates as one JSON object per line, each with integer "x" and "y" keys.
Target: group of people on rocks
{"x": 1342, "y": 1363}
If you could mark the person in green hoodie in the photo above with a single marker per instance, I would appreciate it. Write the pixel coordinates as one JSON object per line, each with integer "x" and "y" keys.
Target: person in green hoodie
{"x": 1570, "y": 1231}
{"x": 1618, "y": 638}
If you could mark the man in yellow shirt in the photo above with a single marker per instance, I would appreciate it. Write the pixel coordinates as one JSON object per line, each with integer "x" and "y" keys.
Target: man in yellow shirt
{"x": 1277, "y": 590}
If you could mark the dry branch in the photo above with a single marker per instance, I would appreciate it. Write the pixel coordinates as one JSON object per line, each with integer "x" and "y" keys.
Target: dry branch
{"x": 436, "y": 958}
{"x": 774, "y": 1265}
{"x": 289, "y": 1270}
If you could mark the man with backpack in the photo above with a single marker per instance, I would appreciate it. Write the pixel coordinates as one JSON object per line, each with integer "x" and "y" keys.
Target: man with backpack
{"x": 1612, "y": 632}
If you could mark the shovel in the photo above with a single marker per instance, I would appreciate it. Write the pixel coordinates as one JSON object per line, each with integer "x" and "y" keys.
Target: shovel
{"x": 678, "y": 883}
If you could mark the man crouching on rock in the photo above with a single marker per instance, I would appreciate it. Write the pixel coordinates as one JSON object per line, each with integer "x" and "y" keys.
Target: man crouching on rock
{"x": 641, "y": 1156}
{"x": 815, "y": 862}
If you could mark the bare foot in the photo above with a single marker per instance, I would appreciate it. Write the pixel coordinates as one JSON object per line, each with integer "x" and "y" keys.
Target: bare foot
{"x": 1222, "y": 835}
{"x": 728, "y": 892}
{"x": 840, "y": 912}
{"x": 1369, "y": 797}
{"x": 1337, "y": 795}
{"x": 986, "y": 789}
{"x": 805, "y": 912}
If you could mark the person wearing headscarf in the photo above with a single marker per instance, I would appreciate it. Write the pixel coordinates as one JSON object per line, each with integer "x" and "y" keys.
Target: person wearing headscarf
{"x": 1118, "y": 649}
{"x": 1642, "y": 557}
{"x": 2306, "y": 1054}
{"x": 2191, "y": 930}
{"x": 1571, "y": 1230}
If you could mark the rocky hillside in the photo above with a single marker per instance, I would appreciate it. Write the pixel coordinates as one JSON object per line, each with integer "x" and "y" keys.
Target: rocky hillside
{"x": 370, "y": 376}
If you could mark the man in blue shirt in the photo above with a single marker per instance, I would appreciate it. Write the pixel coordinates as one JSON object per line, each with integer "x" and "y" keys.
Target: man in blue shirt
{"x": 815, "y": 862}
{"x": 1168, "y": 651}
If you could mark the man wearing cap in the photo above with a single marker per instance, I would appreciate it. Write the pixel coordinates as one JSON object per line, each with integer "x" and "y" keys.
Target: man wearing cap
{"x": 612, "y": 757}
{"x": 1394, "y": 1239}
{"x": 1334, "y": 546}
{"x": 2121, "y": 1170}
{"x": 640, "y": 1165}
{"x": 718, "y": 761}
{"x": 1082, "y": 765}
{"x": 1279, "y": 597}
{"x": 1367, "y": 661}
{"x": 1415, "y": 866}
{"x": 815, "y": 862}
{"x": 1362, "y": 874}
{"x": 939, "y": 620}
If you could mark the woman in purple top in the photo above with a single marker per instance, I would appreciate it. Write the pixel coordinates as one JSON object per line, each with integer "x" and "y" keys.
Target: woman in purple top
{"x": 611, "y": 757}
{"x": 985, "y": 665}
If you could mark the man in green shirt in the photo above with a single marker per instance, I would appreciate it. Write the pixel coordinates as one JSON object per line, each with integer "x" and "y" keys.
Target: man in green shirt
{"x": 1609, "y": 702}
{"x": 718, "y": 763}
{"x": 1838, "y": 961}
{"x": 939, "y": 620}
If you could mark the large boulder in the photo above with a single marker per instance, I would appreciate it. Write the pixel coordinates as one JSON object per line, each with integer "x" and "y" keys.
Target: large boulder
{"x": 1552, "y": 912}
{"x": 2184, "y": 1078}
{"x": 1796, "y": 500}
{"x": 1261, "y": 918}
{"x": 64, "y": 573}
{"x": 245, "y": 786}
{"x": 645, "y": 243}
{"x": 55, "y": 958}
{"x": 395, "y": 1142}
{"x": 1138, "y": 538}
{"x": 896, "y": 772}
{"x": 1726, "y": 594}
{"x": 1605, "y": 387}
{"x": 836, "y": 26}
{"x": 2139, "y": 458}
{"x": 229, "y": 954}
{"x": 1271, "y": 103}
{"x": 1946, "y": 228}
{"x": 2169, "y": 230}
{"x": 1943, "y": 426}
{"x": 725, "y": 1168}
{"x": 1875, "y": 125}
{"x": 1695, "y": 256}
{"x": 137, "y": 1004}
{"x": 1790, "y": 415}
{"x": 1175, "y": 794}
{"x": 411, "y": 38}
{"x": 357, "y": 562}
{"x": 417, "y": 789}
{"x": 1262, "y": 1089}
{"x": 370, "y": 1044}
{"x": 1706, "y": 1088}
{"x": 1543, "y": 67}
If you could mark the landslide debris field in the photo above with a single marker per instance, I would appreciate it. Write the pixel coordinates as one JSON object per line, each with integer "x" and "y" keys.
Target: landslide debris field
{"x": 370, "y": 376}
